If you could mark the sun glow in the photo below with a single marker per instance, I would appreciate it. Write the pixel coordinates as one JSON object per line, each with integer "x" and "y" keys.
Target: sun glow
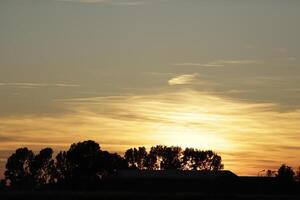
{"x": 185, "y": 136}
{"x": 194, "y": 117}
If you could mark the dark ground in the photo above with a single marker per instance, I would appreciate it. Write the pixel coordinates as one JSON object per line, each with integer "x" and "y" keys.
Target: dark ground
{"x": 236, "y": 188}
{"x": 112, "y": 195}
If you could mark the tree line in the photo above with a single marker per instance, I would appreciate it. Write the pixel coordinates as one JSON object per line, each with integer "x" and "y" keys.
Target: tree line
{"x": 84, "y": 164}
{"x": 285, "y": 174}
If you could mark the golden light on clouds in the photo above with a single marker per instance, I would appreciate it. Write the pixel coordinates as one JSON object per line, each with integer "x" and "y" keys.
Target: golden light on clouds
{"x": 244, "y": 133}
{"x": 183, "y": 79}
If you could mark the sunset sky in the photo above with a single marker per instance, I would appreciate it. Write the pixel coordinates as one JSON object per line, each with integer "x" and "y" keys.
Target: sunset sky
{"x": 220, "y": 75}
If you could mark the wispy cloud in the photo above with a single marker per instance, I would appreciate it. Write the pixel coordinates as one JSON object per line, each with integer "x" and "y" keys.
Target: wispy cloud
{"x": 183, "y": 79}
{"x": 198, "y": 64}
{"x": 243, "y": 62}
{"x": 220, "y": 63}
{"x": 129, "y": 3}
{"x": 85, "y": 1}
{"x": 16, "y": 84}
{"x": 110, "y": 2}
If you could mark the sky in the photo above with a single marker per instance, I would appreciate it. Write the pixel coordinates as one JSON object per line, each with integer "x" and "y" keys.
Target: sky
{"x": 208, "y": 74}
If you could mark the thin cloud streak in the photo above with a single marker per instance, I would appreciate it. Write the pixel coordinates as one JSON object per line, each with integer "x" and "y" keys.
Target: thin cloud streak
{"x": 129, "y": 3}
{"x": 84, "y": 1}
{"x": 220, "y": 63}
{"x": 16, "y": 84}
{"x": 110, "y": 2}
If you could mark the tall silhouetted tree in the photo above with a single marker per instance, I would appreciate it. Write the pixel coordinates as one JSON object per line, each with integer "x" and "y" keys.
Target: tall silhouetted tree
{"x": 83, "y": 161}
{"x": 42, "y": 167}
{"x": 171, "y": 158}
{"x": 136, "y": 158}
{"x": 62, "y": 171}
{"x": 155, "y": 157}
{"x": 18, "y": 172}
{"x": 285, "y": 174}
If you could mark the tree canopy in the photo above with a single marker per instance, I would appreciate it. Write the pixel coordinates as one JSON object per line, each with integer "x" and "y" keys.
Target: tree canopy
{"x": 18, "y": 167}
{"x": 285, "y": 173}
{"x": 164, "y": 158}
{"x": 85, "y": 164}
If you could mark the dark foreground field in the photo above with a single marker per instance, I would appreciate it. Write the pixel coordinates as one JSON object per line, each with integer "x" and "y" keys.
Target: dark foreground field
{"x": 163, "y": 185}
{"x": 112, "y": 195}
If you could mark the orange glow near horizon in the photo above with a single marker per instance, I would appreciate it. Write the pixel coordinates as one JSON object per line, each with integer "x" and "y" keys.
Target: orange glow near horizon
{"x": 243, "y": 134}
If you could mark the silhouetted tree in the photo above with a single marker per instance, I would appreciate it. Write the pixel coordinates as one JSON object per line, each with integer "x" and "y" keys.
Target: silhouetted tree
{"x": 62, "y": 171}
{"x": 163, "y": 158}
{"x": 297, "y": 175}
{"x": 110, "y": 163}
{"x": 270, "y": 173}
{"x": 201, "y": 160}
{"x": 155, "y": 157}
{"x": 215, "y": 162}
{"x": 42, "y": 167}
{"x": 285, "y": 174}
{"x": 171, "y": 158}
{"x": 83, "y": 161}
{"x": 18, "y": 172}
{"x": 136, "y": 158}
